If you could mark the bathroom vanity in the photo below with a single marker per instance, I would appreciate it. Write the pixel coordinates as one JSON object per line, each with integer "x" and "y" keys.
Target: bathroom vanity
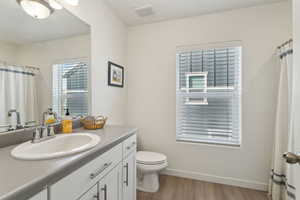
{"x": 106, "y": 172}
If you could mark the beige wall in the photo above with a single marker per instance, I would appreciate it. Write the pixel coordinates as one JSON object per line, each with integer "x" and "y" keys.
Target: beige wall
{"x": 108, "y": 42}
{"x": 8, "y": 52}
{"x": 45, "y": 54}
{"x": 151, "y": 90}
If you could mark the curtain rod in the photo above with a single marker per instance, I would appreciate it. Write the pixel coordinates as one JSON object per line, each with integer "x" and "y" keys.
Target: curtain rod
{"x": 285, "y": 43}
{"x": 26, "y": 66}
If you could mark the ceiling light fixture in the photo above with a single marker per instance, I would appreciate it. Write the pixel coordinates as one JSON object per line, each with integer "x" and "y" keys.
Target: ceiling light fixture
{"x": 38, "y": 9}
{"x": 55, "y": 5}
{"x": 41, "y": 9}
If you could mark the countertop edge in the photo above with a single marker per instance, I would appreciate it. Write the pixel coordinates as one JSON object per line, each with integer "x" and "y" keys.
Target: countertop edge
{"x": 37, "y": 185}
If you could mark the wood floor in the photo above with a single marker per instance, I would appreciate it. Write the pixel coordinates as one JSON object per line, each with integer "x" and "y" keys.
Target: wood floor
{"x": 175, "y": 188}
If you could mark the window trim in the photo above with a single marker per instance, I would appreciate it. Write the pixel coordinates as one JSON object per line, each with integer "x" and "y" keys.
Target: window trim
{"x": 207, "y": 46}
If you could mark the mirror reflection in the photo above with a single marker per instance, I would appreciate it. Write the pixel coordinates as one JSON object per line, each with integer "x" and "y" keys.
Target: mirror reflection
{"x": 44, "y": 66}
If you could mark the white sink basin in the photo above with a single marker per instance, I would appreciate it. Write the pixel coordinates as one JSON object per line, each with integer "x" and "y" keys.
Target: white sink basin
{"x": 61, "y": 145}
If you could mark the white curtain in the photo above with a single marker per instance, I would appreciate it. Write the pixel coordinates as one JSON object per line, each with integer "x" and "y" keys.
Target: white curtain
{"x": 281, "y": 183}
{"x": 17, "y": 91}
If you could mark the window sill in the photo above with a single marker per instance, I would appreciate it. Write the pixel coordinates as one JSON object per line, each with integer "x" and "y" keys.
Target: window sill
{"x": 209, "y": 143}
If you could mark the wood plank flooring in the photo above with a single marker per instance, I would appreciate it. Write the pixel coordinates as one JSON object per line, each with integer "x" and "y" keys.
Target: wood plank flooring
{"x": 175, "y": 188}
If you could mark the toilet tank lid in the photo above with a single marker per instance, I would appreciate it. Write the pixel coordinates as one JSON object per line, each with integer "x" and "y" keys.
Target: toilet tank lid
{"x": 151, "y": 158}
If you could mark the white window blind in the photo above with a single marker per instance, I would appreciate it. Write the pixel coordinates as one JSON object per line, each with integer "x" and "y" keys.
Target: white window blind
{"x": 209, "y": 95}
{"x": 70, "y": 88}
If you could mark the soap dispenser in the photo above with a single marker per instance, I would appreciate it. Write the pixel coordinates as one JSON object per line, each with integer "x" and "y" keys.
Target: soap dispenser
{"x": 67, "y": 123}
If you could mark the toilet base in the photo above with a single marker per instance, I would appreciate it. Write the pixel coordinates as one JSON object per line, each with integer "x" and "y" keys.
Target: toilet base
{"x": 148, "y": 182}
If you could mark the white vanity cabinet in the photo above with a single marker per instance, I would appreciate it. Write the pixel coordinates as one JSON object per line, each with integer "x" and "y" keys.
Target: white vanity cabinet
{"x": 129, "y": 177}
{"x": 111, "y": 176}
{"x": 40, "y": 196}
{"x": 129, "y": 168}
{"x": 110, "y": 187}
{"x": 78, "y": 182}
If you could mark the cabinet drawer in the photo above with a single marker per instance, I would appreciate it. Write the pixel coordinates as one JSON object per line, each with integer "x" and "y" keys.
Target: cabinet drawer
{"x": 74, "y": 185}
{"x": 129, "y": 145}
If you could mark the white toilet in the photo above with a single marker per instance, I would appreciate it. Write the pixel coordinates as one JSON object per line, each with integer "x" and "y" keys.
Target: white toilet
{"x": 148, "y": 166}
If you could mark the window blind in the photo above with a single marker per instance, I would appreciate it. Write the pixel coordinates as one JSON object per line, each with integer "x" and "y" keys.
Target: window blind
{"x": 211, "y": 114}
{"x": 70, "y": 88}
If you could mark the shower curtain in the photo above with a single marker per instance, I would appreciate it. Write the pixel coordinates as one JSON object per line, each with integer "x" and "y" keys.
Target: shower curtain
{"x": 17, "y": 91}
{"x": 281, "y": 182}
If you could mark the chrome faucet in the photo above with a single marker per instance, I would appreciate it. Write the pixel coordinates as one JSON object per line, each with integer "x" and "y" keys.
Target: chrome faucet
{"x": 9, "y": 114}
{"x": 43, "y": 133}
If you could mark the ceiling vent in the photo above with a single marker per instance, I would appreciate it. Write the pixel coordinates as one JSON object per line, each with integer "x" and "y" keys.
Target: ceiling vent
{"x": 144, "y": 11}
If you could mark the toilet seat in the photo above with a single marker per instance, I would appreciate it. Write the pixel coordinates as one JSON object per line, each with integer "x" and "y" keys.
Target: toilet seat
{"x": 150, "y": 158}
{"x": 151, "y": 168}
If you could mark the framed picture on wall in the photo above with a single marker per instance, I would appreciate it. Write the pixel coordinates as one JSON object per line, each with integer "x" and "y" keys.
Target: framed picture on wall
{"x": 115, "y": 75}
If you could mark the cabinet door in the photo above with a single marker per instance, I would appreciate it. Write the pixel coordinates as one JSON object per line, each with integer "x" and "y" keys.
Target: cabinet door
{"x": 91, "y": 194}
{"x": 129, "y": 177}
{"x": 110, "y": 187}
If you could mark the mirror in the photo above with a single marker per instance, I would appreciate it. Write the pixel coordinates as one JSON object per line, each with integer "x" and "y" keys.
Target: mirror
{"x": 43, "y": 66}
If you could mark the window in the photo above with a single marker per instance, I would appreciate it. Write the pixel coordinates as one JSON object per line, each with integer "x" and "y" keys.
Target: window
{"x": 209, "y": 95}
{"x": 70, "y": 88}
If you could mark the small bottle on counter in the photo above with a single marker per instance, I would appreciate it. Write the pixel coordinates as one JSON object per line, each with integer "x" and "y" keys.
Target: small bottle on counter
{"x": 67, "y": 123}
{"x": 49, "y": 116}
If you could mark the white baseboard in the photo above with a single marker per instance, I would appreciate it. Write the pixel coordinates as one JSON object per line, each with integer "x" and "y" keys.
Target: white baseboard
{"x": 217, "y": 179}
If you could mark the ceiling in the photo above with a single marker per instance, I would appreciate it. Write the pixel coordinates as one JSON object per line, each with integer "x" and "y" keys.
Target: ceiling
{"x": 172, "y": 9}
{"x": 19, "y": 28}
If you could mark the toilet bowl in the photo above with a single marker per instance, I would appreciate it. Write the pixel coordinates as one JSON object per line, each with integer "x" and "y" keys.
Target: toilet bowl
{"x": 149, "y": 164}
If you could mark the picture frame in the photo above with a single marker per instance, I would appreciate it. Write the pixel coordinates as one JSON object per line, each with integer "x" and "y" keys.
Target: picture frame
{"x": 115, "y": 75}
